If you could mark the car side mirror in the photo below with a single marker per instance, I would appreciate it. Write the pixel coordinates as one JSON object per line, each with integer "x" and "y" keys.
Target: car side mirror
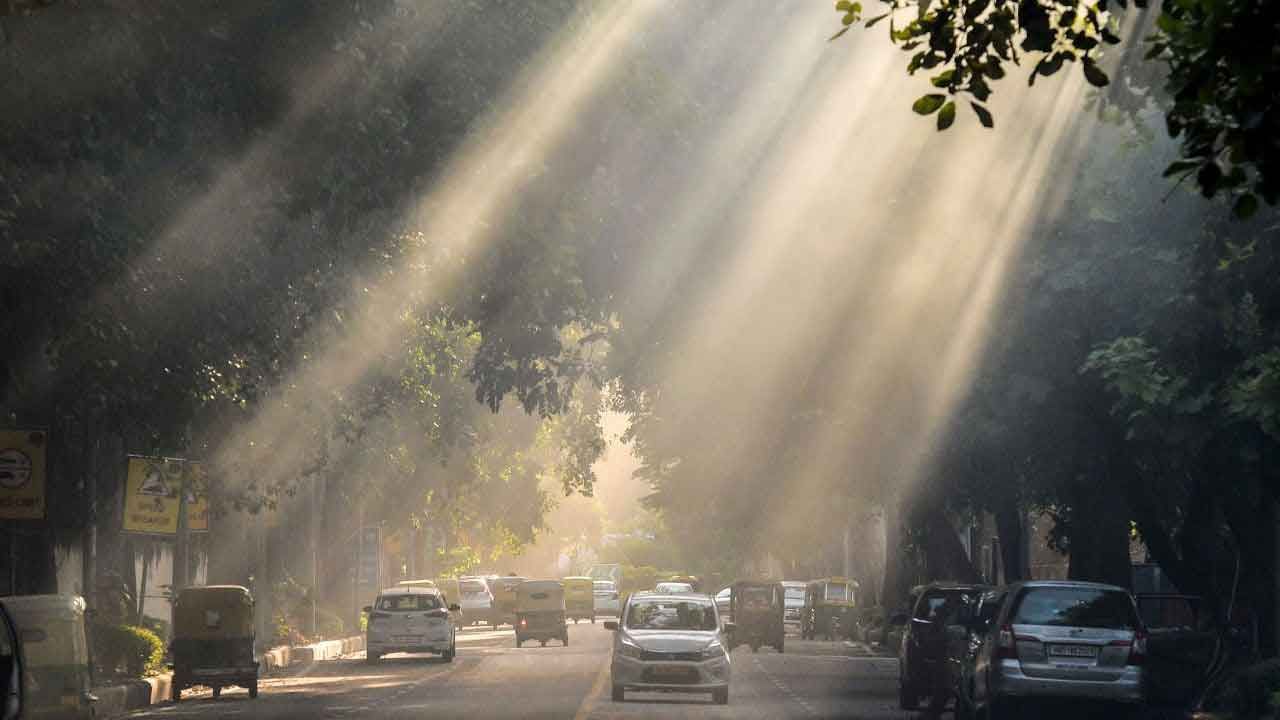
{"x": 455, "y": 608}
{"x": 729, "y": 628}
{"x": 367, "y": 609}
{"x": 610, "y": 624}
{"x": 898, "y": 619}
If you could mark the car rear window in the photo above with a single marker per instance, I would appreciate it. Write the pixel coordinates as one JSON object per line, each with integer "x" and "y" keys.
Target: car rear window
{"x": 942, "y": 605}
{"x": 1075, "y": 607}
{"x": 407, "y": 603}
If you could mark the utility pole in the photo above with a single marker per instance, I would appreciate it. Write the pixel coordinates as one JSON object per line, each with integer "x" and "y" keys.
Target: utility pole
{"x": 89, "y": 548}
{"x": 182, "y": 546}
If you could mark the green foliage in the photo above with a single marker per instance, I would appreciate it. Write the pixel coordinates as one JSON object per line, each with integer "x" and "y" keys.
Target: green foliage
{"x": 137, "y": 651}
{"x": 1221, "y": 71}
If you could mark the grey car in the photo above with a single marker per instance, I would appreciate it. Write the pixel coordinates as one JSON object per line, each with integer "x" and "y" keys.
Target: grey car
{"x": 670, "y": 643}
{"x": 1046, "y": 641}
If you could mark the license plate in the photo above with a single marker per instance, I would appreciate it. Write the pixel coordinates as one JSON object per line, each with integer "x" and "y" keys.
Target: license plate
{"x": 1073, "y": 651}
{"x": 407, "y": 638}
{"x": 669, "y": 671}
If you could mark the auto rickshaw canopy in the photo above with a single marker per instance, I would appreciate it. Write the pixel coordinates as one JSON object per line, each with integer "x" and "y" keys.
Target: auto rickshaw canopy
{"x": 213, "y": 611}
{"x": 539, "y": 595}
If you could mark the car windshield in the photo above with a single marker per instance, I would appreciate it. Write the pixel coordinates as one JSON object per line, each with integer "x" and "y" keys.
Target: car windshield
{"x": 675, "y": 587}
{"x": 1075, "y": 607}
{"x": 795, "y": 595}
{"x": 402, "y": 603}
{"x": 755, "y": 598}
{"x": 671, "y": 615}
{"x": 603, "y": 586}
{"x": 472, "y": 588}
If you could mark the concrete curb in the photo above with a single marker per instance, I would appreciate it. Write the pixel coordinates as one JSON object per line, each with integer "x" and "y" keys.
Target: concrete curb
{"x": 114, "y": 700}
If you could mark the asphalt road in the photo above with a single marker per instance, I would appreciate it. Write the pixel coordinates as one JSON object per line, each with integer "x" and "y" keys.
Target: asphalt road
{"x": 490, "y": 678}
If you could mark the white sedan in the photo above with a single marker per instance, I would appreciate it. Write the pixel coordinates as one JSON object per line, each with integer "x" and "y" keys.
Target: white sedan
{"x": 670, "y": 643}
{"x": 606, "y": 595}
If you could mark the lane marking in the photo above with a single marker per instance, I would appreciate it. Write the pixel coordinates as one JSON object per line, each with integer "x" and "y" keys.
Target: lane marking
{"x": 597, "y": 690}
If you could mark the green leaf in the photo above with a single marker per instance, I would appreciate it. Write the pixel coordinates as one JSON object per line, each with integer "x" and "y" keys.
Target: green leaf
{"x": 946, "y": 116}
{"x": 943, "y": 79}
{"x": 848, "y": 19}
{"x": 844, "y": 6}
{"x": 1180, "y": 166}
{"x": 1246, "y": 205}
{"x": 928, "y": 104}
{"x": 1094, "y": 74}
{"x": 1109, "y": 37}
{"x": 984, "y": 115}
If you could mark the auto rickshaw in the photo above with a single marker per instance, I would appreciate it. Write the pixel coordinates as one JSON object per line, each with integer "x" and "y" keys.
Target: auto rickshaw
{"x": 504, "y": 598}
{"x": 758, "y": 608}
{"x": 828, "y": 608}
{"x": 540, "y": 613}
{"x": 213, "y": 640}
{"x": 58, "y": 675}
{"x": 580, "y": 598}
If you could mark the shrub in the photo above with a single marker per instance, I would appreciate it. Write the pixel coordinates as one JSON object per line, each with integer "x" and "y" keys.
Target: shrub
{"x": 1250, "y": 692}
{"x": 138, "y": 650}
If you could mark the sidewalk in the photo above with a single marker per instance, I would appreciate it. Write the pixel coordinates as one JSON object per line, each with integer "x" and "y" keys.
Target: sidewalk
{"x": 121, "y": 698}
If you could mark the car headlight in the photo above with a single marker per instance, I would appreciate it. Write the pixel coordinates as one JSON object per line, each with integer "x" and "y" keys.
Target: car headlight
{"x": 713, "y": 651}
{"x": 629, "y": 649}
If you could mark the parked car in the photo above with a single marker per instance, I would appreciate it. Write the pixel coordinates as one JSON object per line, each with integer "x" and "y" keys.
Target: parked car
{"x": 794, "y": 600}
{"x": 722, "y": 602}
{"x": 410, "y": 620}
{"x": 606, "y": 595}
{"x": 476, "y": 601}
{"x": 934, "y": 631}
{"x": 670, "y": 643}
{"x": 11, "y": 669}
{"x": 1046, "y": 641}
{"x": 673, "y": 588}
{"x": 58, "y": 677}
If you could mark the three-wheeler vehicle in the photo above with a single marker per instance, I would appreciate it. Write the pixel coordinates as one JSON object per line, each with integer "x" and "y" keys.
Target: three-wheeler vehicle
{"x": 53, "y": 645}
{"x": 580, "y": 599}
{"x": 828, "y": 608}
{"x": 504, "y": 598}
{"x": 213, "y": 640}
{"x": 540, "y": 613}
{"x": 758, "y": 609}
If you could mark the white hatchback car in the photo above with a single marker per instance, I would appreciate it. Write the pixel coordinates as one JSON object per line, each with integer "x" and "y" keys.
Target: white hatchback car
{"x": 670, "y": 643}
{"x": 410, "y": 620}
{"x": 606, "y": 594}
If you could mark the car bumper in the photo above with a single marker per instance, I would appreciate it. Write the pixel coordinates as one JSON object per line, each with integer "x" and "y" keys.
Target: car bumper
{"x": 608, "y": 608}
{"x": 1012, "y": 682}
{"x": 425, "y": 645}
{"x": 705, "y": 676}
{"x": 201, "y": 675}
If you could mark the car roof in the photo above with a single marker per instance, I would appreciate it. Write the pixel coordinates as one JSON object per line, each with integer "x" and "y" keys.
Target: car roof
{"x": 1069, "y": 584}
{"x": 410, "y": 590}
{"x": 675, "y": 597}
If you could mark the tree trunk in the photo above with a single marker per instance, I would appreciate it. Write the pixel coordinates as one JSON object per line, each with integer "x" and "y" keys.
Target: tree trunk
{"x": 1011, "y": 529}
{"x": 897, "y": 578}
{"x": 944, "y": 554}
{"x": 1099, "y": 539}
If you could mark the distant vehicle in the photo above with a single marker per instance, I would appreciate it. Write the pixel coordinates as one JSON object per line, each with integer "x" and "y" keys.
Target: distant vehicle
{"x": 51, "y": 638}
{"x": 923, "y": 668}
{"x": 213, "y": 640}
{"x": 579, "y": 599}
{"x": 692, "y": 581}
{"x": 794, "y": 604}
{"x": 758, "y": 607}
{"x": 410, "y": 620}
{"x": 540, "y": 612}
{"x": 417, "y": 583}
{"x": 670, "y": 643}
{"x": 722, "y": 602}
{"x": 1047, "y": 641}
{"x": 477, "y": 601}
{"x": 673, "y": 588}
{"x": 828, "y": 607}
{"x": 504, "y": 598}
{"x": 606, "y": 597}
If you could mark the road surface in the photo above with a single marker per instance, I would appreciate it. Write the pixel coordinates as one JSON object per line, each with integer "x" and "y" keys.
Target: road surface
{"x": 492, "y": 679}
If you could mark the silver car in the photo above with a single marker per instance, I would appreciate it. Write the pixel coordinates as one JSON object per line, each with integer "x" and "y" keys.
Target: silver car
{"x": 1053, "y": 641}
{"x": 606, "y": 596}
{"x": 410, "y": 620}
{"x": 670, "y": 643}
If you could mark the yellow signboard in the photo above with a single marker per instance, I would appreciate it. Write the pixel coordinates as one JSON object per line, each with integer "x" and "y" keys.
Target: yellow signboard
{"x": 151, "y": 495}
{"x": 22, "y": 474}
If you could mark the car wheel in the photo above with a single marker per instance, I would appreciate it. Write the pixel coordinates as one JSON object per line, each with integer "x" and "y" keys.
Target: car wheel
{"x": 450, "y": 653}
{"x": 781, "y": 644}
{"x": 371, "y": 657}
{"x": 253, "y": 689}
{"x": 519, "y": 642}
{"x": 544, "y": 643}
{"x": 176, "y": 693}
{"x": 217, "y": 692}
{"x": 755, "y": 647}
{"x": 721, "y": 696}
{"x": 565, "y": 640}
{"x": 619, "y": 694}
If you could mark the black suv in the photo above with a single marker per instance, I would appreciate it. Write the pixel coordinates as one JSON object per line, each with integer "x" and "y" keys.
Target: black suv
{"x": 935, "y": 628}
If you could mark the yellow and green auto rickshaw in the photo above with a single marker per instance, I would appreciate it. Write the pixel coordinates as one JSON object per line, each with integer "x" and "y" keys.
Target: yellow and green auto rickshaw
{"x": 58, "y": 675}
{"x": 504, "y": 598}
{"x": 540, "y": 612}
{"x": 580, "y": 598}
{"x": 452, "y": 591}
{"x": 828, "y": 608}
{"x": 213, "y": 640}
{"x": 758, "y": 608}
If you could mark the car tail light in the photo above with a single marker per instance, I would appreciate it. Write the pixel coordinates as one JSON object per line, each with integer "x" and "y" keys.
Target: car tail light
{"x": 1137, "y": 647}
{"x": 524, "y": 622}
{"x": 1006, "y": 644}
